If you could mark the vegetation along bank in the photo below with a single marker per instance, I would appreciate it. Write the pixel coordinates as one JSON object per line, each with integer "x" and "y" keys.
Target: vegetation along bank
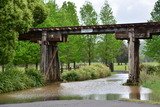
{"x": 93, "y": 71}
{"x": 150, "y": 78}
{"x": 13, "y": 79}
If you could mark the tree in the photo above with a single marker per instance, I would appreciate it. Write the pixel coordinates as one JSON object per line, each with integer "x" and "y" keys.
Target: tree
{"x": 155, "y": 14}
{"x": 123, "y": 57}
{"x": 27, "y": 53}
{"x": 89, "y": 17}
{"x": 15, "y": 17}
{"x": 109, "y": 47}
{"x": 38, "y": 10}
{"x": 106, "y": 14}
{"x": 53, "y": 18}
{"x": 152, "y": 46}
{"x": 70, "y": 52}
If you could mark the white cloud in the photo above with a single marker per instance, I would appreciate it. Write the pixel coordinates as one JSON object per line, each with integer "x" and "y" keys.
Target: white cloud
{"x": 125, "y": 11}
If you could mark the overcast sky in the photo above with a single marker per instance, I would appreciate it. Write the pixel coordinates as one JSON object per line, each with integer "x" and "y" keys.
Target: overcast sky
{"x": 125, "y": 11}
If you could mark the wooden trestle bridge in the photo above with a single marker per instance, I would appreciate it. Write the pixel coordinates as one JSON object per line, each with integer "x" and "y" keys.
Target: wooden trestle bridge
{"x": 49, "y": 37}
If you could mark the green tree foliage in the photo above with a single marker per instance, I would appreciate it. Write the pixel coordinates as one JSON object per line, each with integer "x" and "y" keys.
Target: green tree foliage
{"x": 53, "y": 18}
{"x": 106, "y": 14}
{"x": 152, "y": 46}
{"x": 89, "y": 17}
{"x": 27, "y": 53}
{"x": 156, "y": 12}
{"x": 39, "y": 11}
{"x": 123, "y": 57}
{"x": 109, "y": 47}
{"x": 70, "y": 52}
{"x": 15, "y": 17}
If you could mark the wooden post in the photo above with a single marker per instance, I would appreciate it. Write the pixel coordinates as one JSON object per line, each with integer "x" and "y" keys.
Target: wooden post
{"x": 43, "y": 66}
{"x": 133, "y": 59}
{"x": 53, "y": 70}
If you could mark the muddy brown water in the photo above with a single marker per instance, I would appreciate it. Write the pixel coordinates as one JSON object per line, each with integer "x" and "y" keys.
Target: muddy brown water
{"x": 110, "y": 88}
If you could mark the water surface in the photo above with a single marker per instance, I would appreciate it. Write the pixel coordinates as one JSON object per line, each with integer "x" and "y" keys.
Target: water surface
{"x": 110, "y": 88}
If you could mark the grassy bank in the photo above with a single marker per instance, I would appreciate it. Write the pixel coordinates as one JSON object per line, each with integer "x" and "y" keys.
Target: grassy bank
{"x": 94, "y": 71}
{"x": 13, "y": 79}
{"x": 122, "y": 67}
{"x": 150, "y": 78}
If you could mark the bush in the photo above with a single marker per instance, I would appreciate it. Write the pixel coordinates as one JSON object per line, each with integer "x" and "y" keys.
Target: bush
{"x": 36, "y": 76}
{"x": 87, "y": 72}
{"x": 14, "y": 79}
{"x": 149, "y": 69}
{"x": 70, "y": 75}
{"x": 149, "y": 78}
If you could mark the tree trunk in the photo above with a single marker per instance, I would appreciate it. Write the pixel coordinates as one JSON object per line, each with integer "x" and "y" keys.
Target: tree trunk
{"x": 111, "y": 66}
{"x": 89, "y": 60}
{"x": 36, "y": 66}
{"x": 68, "y": 66}
{"x": 61, "y": 67}
{"x": 26, "y": 66}
{"x": 74, "y": 64}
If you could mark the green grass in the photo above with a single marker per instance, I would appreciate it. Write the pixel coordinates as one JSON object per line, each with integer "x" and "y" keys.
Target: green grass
{"x": 120, "y": 67}
{"x": 151, "y": 63}
{"x": 150, "y": 78}
{"x": 94, "y": 71}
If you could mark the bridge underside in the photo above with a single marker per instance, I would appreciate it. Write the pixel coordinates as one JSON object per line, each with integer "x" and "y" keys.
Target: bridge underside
{"x": 49, "y": 37}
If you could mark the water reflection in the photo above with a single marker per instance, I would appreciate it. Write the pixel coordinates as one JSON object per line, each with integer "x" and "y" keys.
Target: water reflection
{"x": 135, "y": 93}
{"x": 101, "y": 89}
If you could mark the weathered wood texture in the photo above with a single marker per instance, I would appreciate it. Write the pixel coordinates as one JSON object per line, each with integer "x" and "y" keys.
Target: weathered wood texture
{"x": 43, "y": 52}
{"x": 142, "y": 30}
{"x": 49, "y": 59}
{"x": 133, "y": 57}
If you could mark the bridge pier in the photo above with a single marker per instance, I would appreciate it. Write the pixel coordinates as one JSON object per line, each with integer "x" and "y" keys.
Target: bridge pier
{"x": 49, "y": 59}
{"x": 134, "y": 44}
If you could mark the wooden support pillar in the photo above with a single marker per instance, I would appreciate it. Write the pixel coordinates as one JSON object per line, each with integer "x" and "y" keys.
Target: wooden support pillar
{"x": 43, "y": 64}
{"x": 133, "y": 59}
{"x": 53, "y": 70}
{"x": 49, "y": 59}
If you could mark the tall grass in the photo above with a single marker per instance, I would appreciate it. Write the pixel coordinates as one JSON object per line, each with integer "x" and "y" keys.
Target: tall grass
{"x": 14, "y": 79}
{"x": 94, "y": 71}
{"x": 150, "y": 78}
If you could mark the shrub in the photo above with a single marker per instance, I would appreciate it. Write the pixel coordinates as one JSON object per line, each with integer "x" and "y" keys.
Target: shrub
{"x": 70, "y": 76}
{"x": 14, "y": 79}
{"x": 149, "y": 78}
{"x": 149, "y": 69}
{"x": 36, "y": 76}
{"x": 87, "y": 72}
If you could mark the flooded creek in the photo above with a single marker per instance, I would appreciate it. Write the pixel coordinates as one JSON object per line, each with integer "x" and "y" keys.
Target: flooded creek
{"x": 110, "y": 88}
